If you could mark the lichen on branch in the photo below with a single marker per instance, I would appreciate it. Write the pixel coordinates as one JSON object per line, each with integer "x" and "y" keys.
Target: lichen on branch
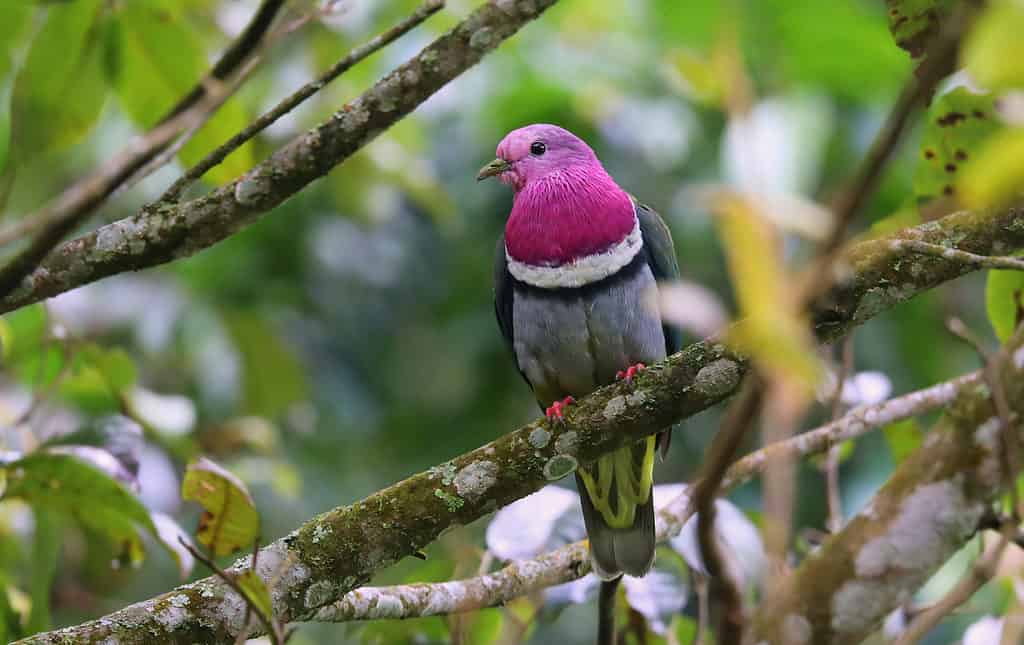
{"x": 339, "y": 550}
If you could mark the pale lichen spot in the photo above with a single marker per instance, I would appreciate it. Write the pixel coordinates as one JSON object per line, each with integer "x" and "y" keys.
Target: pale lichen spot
{"x": 539, "y": 437}
{"x": 796, "y": 630}
{"x": 321, "y": 532}
{"x": 615, "y": 406}
{"x": 173, "y": 613}
{"x": 567, "y": 443}
{"x": 858, "y": 605}
{"x": 717, "y": 378}
{"x": 445, "y": 472}
{"x": 248, "y": 189}
{"x": 637, "y": 398}
{"x": 474, "y": 480}
{"x": 559, "y": 466}
{"x": 318, "y": 594}
{"x": 931, "y": 522}
{"x": 453, "y": 502}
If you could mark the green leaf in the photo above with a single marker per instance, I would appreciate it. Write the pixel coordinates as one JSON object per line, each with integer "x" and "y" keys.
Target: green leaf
{"x": 229, "y": 521}
{"x": 486, "y": 626}
{"x": 994, "y": 48}
{"x": 1004, "y": 291}
{"x": 912, "y": 22}
{"x": 959, "y": 123}
{"x": 903, "y": 438}
{"x": 256, "y": 592}
{"x": 98, "y": 378}
{"x": 24, "y": 332}
{"x": 65, "y": 482}
{"x": 14, "y": 20}
{"x": 995, "y": 176}
{"x": 273, "y": 376}
{"x": 161, "y": 60}
{"x": 46, "y": 539}
{"x": 60, "y": 90}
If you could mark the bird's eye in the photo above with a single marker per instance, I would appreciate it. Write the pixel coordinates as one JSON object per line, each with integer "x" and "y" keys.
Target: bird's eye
{"x": 538, "y": 148}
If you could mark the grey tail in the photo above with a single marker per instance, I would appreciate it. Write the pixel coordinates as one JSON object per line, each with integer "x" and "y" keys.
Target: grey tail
{"x": 615, "y": 551}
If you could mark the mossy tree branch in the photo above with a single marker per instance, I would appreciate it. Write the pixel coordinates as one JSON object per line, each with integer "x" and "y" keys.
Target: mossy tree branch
{"x": 168, "y": 230}
{"x": 928, "y": 510}
{"x": 340, "y": 550}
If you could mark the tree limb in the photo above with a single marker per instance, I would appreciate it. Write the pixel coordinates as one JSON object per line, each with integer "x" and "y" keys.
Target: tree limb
{"x": 927, "y": 510}
{"x": 292, "y": 101}
{"x": 166, "y": 231}
{"x": 76, "y": 203}
{"x": 339, "y": 550}
{"x": 570, "y": 562}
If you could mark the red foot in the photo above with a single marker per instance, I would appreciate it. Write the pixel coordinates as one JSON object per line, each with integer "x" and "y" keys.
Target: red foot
{"x": 556, "y": 409}
{"x": 631, "y": 371}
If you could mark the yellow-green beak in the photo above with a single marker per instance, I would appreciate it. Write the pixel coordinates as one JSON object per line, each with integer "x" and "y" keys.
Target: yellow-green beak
{"x": 496, "y": 167}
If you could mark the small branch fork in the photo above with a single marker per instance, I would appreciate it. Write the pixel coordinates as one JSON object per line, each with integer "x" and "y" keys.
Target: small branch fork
{"x": 288, "y": 104}
{"x": 682, "y": 385}
{"x": 81, "y": 199}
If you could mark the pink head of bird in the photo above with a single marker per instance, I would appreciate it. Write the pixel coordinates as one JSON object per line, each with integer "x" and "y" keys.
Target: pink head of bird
{"x": 566, "y": 206}
{"x": 537, "y": 151}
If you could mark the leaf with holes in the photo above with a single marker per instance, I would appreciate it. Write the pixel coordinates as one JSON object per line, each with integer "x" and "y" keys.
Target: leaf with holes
{"x": 959, "y": 124}
{"x": 912, "y": 22}
{"x": 229, "y": 521}
{"x": 1004, "y": 297}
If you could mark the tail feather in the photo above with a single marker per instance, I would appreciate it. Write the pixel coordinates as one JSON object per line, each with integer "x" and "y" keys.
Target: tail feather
{"x": 618, "y": 510}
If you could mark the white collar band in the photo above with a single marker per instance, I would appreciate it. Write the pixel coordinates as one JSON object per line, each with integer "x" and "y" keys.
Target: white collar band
{"x": 581, "y": 271}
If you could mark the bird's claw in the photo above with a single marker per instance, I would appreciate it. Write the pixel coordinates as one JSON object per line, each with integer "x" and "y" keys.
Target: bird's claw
{"x": 628, "y": 373}
{"x": 556, "y": 411}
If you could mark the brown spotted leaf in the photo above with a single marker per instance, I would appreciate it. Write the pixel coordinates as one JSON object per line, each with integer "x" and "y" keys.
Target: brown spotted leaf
{"x": 912, "y": 22}
{"x": 229, "y": 521}
{"x": 959, "y": 124}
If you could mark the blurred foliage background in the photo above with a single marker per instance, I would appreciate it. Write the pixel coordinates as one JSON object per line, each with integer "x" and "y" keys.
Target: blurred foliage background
{"x": 347, "y": 339}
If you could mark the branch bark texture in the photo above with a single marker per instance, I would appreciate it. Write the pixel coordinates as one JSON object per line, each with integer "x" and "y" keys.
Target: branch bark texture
{"x": 166, "y": 231}
{"x": 927, "y": 510}
{"x": 339, "y": 550}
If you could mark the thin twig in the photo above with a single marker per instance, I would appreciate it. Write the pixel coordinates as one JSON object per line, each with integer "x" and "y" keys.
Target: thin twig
{"x": 701, "y": 585}
{"x": 272, "y": 629}
{"x": 721, "y": 454}
{"x": 570, "y": 562}
{"x": 938, "y": 63}
{"x": 835, "y": 502}
{"x": 216, "y": 96}
{"x": 992, "y": 375}
{"x": 956, "y": 255}
{"x": 424, "y": 11}
{"x": 76, "y": 203}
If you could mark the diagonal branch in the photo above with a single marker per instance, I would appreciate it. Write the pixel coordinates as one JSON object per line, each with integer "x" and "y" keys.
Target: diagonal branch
{"x": 570, "y": 562}
{"x": 167, "y": 231}
{"x": 339, "y": 550}
{"x": 927, "y": 510}
{"x": 77, "y": 202}
{"x": 425, "y": 10}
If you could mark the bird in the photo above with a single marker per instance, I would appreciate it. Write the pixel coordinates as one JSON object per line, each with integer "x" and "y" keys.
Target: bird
{"x": 575, "y": 275}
